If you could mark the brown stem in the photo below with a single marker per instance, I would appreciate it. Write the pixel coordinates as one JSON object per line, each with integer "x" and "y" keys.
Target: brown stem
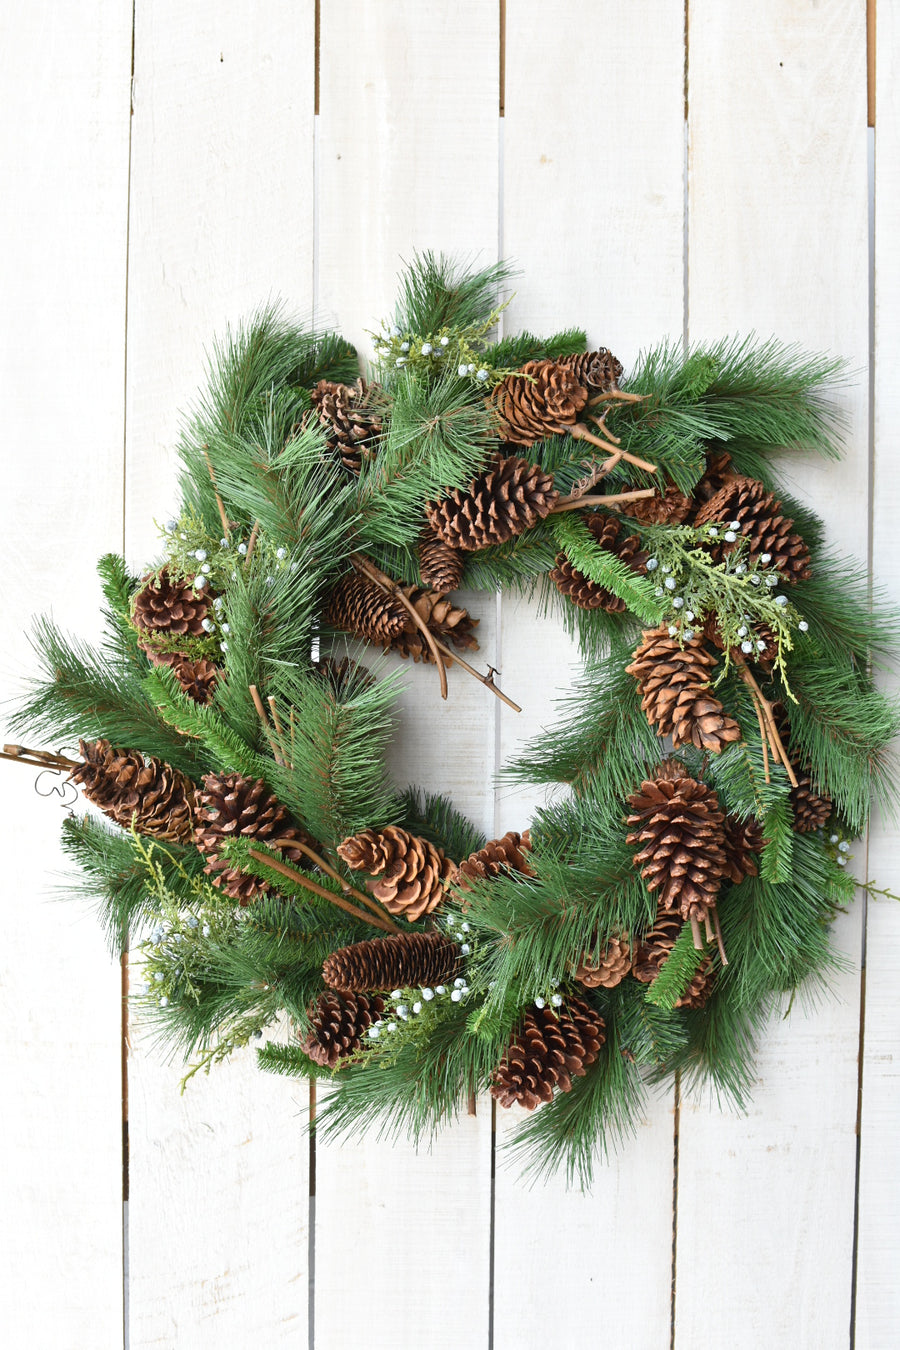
{"x": 720, "y": 944}
{"x": 695, "y": 929}
{"x": 279, "y": 732}
{"x": 775, "y": 740}
{"x": 566, "y": 503}
{"x": 486, "y": 680}
{"x": 601, "y": 423}
{"x": 585, "y": 484}
{"x": 40, "y": 759}
{"x": 580, "y": 433}
{"x": 278, "y": 866}
{"x": 226, "y": 528}
{"x": 258, "y": 705}
{"x": 762, "y": 736}
{"x": 368, "y": 568}
{"x": 320, "y": 862}
{"x": 472, "y": 1110}
{"x": 254, "y": 535}
{"x": 616, "y": 396}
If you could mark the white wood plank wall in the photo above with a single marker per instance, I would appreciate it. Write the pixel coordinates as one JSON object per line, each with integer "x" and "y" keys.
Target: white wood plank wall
{"x": 659, "y": 169}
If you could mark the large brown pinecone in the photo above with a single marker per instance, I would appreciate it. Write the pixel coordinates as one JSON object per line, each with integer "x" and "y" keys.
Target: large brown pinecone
{"x": 677, "y": 828}
{"x": 580, "y": 589}
{"x": 500, "y": 503}
{"x": 811, "y": 809}
{"x": 543, "y": 399}
{"x": 743, "y": 841}
{"x": 411, "y": 870}
{"x": 498, "y": 855}
{"x": 758, "y": 512}
{"x": 449, "y": 622}
{"x": 440, "y": 565}
{"x": 233, "y": 807}
{"x": 663, "y": 508}
{"x": 132, "y": 789}
{"x": 675, "y": 692}
{"x": 356, "y": 605}
{"x": 353, "y": 418}
{"x": 606, "y": 969}
{"x": 338, "y": 1023}
{"x": 651, "y": 953}
{"x": 599, "y": 370}
{"x": 169, "y": 608}
{"x": 549, "y": 1048}
{"x": 400, "y": 961}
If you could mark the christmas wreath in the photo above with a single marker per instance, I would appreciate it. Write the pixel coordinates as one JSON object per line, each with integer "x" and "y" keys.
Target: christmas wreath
{"x": 722, "y": 748}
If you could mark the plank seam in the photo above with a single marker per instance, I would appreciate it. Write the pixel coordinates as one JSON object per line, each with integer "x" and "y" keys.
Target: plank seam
{"x": 676, "y": 1122}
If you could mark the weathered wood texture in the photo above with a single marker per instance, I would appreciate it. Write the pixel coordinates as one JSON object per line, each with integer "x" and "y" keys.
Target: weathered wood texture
{"x": 129, "y": 240}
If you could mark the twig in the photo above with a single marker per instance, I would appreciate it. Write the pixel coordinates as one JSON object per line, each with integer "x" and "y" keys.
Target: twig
{"x": 762, "y": 736}
{"x": 719, "y": 943}
{"x": 40, "y": 759}
{"x": 320, "y": 862}
{"x": 579, "y": 432}
{"x": 278, "y": 728}
{"x": 584, "y": 485}
{"x": 226, "y": 528}
{"x": 616, "y": 396}
{"x": 254, "y": 534}
{"x": 486, "y": 680}
{"x": 301, "y": 880}
{"x": 258, "y": 705}
{"x": 775, "y": 741}
{"x": 566, "y": 503}
{"x": 368, "y": 569}
{"x": 698, "y": 938}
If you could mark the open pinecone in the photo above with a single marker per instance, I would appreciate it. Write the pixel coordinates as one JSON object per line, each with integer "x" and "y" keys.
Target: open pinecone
{"x": 742, "y": 841}
{"x": 652, "y": 950}
{"x": 148, "y": 793}
{"x": 598, "y": 370}
{"x": 400, "y": 961}
{"x": 498, "y": 855}
{"x": 677, "y": 827}
{"x": 440, "y": 565}
{"x": 674, "y": 683}
{"x": 356, "y": 605}
{"x": 353, "y": 419}
{"x": 501, "y": 502}
{"x": 197, "y": 678}
{"x": 668, "y": 507}
{"x": 449, "y": 622}
{"x": 412, "y": 871}
{"x": 233, "y": 807}
{"x": 167, "y": 607}
{"x": 338, "y": 1024}
{"x": 758, "y": 513}
{"x": 608, "y": 968}
{"x": 549, "y": 1048}
{"x": 588, "y": 594}
{"x": 701, "y": 986}
{"x": 541, "y": 400}
{"x": 811, "y": 808}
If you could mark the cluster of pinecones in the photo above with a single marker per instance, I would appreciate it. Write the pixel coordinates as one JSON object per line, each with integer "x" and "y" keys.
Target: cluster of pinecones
{"x": 166, "y": 611}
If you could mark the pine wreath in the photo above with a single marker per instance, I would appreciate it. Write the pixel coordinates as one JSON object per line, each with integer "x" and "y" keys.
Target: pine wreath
{"x": 723, "y": 750}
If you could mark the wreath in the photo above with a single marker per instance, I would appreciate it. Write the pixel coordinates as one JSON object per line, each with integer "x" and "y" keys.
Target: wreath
{"x": 718, "y": 756}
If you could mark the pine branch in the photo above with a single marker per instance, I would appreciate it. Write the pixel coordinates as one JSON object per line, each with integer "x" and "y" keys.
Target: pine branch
{"x": 437, "y": 291}
{"x": 677, "y": 971}
{"x": 433, "y": 817}
{"x": 606, "y": 569}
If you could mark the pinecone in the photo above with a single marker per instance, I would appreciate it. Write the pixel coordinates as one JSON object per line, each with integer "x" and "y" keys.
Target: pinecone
{"x": 345, "y": 677}
{"x": 396, "y": 962}
{"x": 743, "y": 841}
{"x": 701, "y": 986}
{"x": 663, "y": 508}
{"x": 131, "y": 789}
{"x": 498, "y": 855}
{"x": 651, "y": 952}
{"x": 718, "y": 473}
{"x": 166, "y": 607}
{"x": 549, "y": 1048}
{"x": 197, "y": 678}
{"x": 760, "y": 633}
{"x": 449, "y": 622}
{"x": 338, "y": 1023}
{"x": 412, "y": 870}
{"x": 352, "y": 417}
{"x": 608, "y": 969}
{"x": 356, "y": 605}
{"x": 440, "y": 566}
{"x": 675, "y": 692}
{"x": 677, "y": 825}
{"x": 598, "y": 370}
{"x": 541, "y": 400}
{"x": 500, "y": 503}
{"x": 811, "y": 809}
{"x": 584, "y": 592}
{"x": 758, "y": 512}
{"x": 233, "y": 807}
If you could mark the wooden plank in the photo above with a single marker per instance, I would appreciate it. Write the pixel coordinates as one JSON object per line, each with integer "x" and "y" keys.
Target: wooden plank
{"x": 877, "y": 1294}
{"x": 221, "y": 221}
{"x": 600, "y": 248}
{"x": 64, "y": 80}
{"x": 777, "y": 211}
{"x": 408, "y": 160}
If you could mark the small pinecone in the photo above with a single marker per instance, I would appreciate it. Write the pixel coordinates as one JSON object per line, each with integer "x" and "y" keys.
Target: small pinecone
{"x": 759, "y": 513}
{"x": 396, "y": 962}
{"x": 411, "y": 870}
{"x": 761, "y": 632}
{"x": 233, "y": 807}
{"x": 701, "y": 986}
{"x": 356, "y": 605}
{"x": 584, "y": 592}
{"x": 811, "y": 809}
{"x": 449, "y": 622}
{"x": 352, "y": 418}
{"x": 743, "y": 842}
{"x": 156, "y": 798}
{"x": 344, "y": 676}
{"x": 541, "y": 400}
{"x": 608, "y": 969}
{"x": 718, "y": 473}
{"x": 166, "y": 607}
{"x": 498, "y": 855}
{"x": 598, "y": 370}
{"x": 338, "y": 1023}
{"x": 664, "y": 508}
{"x": 500, "y": 503}
{"x": 675, "y": 692}
{"x": 197, "y": 678}
{"x": 651, "y": 952}
{"x": 677, "y": 826}
{"x": 440, "y": 566}
{"x": 549, "y": 1048}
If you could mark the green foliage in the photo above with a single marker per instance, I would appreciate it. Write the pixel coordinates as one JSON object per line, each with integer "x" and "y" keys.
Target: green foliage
{"x": 520, "y": 348}
{"x": 434, "y": 817}
{"x": 605, "y": 568}
{"x": 437, "y": 291}
{"x": 677, "y": 971}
